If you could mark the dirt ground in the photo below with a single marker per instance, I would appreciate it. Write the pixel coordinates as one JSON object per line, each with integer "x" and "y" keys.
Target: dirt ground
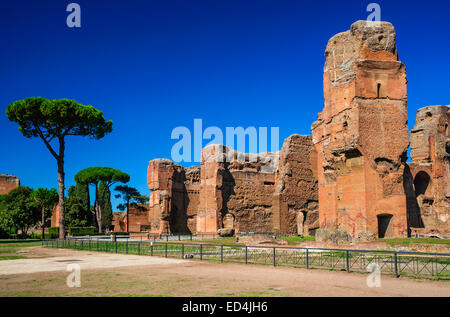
{"x": 43, "y": 273}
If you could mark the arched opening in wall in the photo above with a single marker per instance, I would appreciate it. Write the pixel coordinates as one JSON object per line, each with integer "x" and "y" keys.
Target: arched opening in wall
{"x": 378, "y": 90}
{"x": 384, "y": 225}
{"x": 421, "y": 183}
{"x": 447, "y": 132}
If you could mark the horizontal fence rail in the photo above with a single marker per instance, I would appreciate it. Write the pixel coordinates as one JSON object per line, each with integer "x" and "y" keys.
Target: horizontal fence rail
{"x": 153, "y": 237}
{"x": 387, "y": 262}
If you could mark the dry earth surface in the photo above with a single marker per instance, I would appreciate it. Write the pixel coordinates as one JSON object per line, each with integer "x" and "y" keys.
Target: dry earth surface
{"x": 43, "y": 273}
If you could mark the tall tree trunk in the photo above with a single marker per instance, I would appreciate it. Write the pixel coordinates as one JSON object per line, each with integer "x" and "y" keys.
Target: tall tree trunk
{"x": 128, "y": 207}
{"x": 61, "y": 187}
{"x": 98, "y": 209}
{"x": 43, "y": 232}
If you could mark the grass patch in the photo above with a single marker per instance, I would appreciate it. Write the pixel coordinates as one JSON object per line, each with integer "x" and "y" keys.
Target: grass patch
{"x": 19, "y": 243}
{"x": 293, "y": 240}
{"x": 12, "y": 257}
{"x": 8, "y": 250}
{"x": 408, "y": 241}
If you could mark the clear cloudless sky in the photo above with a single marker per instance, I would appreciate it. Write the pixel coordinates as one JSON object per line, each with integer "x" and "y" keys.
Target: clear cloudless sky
{"x": 151, "y": 66}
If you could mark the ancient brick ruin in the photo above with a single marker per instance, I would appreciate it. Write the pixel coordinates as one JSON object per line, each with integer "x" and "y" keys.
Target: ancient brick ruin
{"x": 361, "y": 136}
{"x": 430, "y": 172}
{"x": 8, "y": 183}
{"x": 270, "y": 192}
{"x": 350, "y": 177}
{"x": 138, "y": 220}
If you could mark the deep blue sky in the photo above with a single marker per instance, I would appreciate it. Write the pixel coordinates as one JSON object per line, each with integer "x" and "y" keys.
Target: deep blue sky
{"x": 151, "y": 66}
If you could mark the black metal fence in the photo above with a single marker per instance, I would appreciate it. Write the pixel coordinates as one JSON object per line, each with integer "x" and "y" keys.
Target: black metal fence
{"x": 387, "y": 262}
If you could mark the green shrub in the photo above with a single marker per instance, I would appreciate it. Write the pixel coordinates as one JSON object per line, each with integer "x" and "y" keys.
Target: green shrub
{"x": 52, "y": 231}
{"x": 52, "y": 235}
{"x": 81, "y": 231}
{"x": 120, "y": 233}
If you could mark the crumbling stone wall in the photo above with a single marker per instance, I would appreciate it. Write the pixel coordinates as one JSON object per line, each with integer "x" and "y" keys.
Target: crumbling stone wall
{"x": 361, "y": 136}
{"x": 173, "y": 197}
{"x": 430, "y": 172}
{"x": 8, "y": 183}
{"x": 234, "y": 190}
{"x": 193, "y": 187}
{"x": 244, "y": 188}
{"x": 295, "y": 196}
{"x": 138, "y": 218}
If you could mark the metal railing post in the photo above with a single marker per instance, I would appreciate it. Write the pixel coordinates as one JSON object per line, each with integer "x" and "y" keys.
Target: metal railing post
{"x": 221, "y": 254}
{"x": 432, "y": 270}
{"x": 139, "y": 248}
{"x": 116, "y": 245}
{"x": 151, "y": 248}
{"x": 274, "y": 256}
{"x": 166, "y": 250}
{"x": 182, "y": 250}
{"x": 348, "y": 263}
{"x": 201, "y": 252}
{"x": 396, "y": 265}
{"x": 126, "y": 248}
{"x": 246, "y": 251}
{"x": 307, "y": 258}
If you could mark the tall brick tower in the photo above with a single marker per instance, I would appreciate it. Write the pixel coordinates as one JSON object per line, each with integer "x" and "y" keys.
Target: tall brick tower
{"x": 361, "y": 136}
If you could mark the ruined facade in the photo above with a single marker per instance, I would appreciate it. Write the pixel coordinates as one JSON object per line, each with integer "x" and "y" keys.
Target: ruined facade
{"x": 245, "y": 192}
{"x": 174, "y": 197}
{"x": 361, "y": 136}
{"x": 429, "y": 204}
{"x": 138, "y": 218}
{"x": 349, "y": 178}
{"x": 8, "y": 183}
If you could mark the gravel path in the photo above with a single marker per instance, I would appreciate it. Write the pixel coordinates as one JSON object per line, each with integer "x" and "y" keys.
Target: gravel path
{"x": 58, "y": 259}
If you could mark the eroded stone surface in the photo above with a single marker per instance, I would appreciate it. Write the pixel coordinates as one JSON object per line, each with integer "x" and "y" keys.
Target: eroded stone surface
{"x": 138, "y": 218}
{"x": 244, "y": 192}
{"x": 361, "y": 136}
{"x": 429, "y": 180}
{"x": 350, "y": 178}
{"x": 8, "y": 183}
{"x": 173, "y": 198}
